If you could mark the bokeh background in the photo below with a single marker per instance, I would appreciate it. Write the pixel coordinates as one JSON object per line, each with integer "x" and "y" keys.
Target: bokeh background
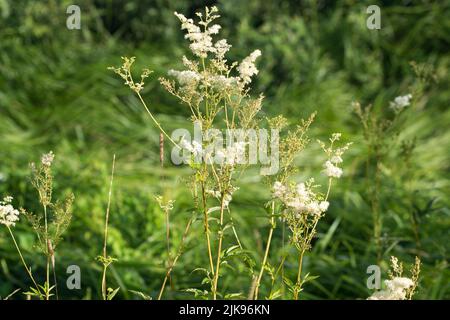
{"x": 57, "y": 94}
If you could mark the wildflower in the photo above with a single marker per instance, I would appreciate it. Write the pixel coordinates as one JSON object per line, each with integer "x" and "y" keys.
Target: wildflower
{"x": 247, "y": 67}
{"x": 47, "y": 159}
{"x": 332, "y": 171}
{"x": 195, "y": 147}
{"x": 400, "y": 103}
{"x": 278, "y": 190}
{"x": 201, "y": 42}
{"x": 186, "y": 77}
{"x": 221, "y": 47}
{"x": 8, "y": 215}
{"x": 300, "y": 199}
{"x": 396, "y": 289}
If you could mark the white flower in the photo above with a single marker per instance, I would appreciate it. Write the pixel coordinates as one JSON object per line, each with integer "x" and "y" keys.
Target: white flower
{"x": 186, "y": 77}
{"x": 232, "y": 153}
{"x": 332, "y": 171}
{"x": 336, "y": 159}
{"x": 323, "y": 205}
{"x": 399, "y": 283}
{"x": 8, "y": 215}
{"x": 195, "y": 147}
{"x": 47, "y": 159}
{"x": 302, "y": 192}
{"x": 395, "y": 289}
{"x": 221, "y": 47}
{"x": 400, "y": 103}
{"x": 278, "y": 190}
{"x": 247, "y": 67}
{"x": 222, "y": 82}
{"x": 201, "y": 42}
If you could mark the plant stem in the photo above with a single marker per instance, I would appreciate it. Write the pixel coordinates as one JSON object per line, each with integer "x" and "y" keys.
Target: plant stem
{"x": 206, "y": 224}
{"x": 23, "y": 261}
{"x": 105, "y": 266}
{"x": 156, "y": 121}
{"x": 266, "y": 254}
{"x": 47, "y": 290}
{"x": 300, "y": 264}
{"x": 216, "y": 274}
{"x": 172, "y": 263}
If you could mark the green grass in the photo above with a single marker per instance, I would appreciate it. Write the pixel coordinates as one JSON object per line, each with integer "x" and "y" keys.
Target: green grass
{"x": 56, "y": 94}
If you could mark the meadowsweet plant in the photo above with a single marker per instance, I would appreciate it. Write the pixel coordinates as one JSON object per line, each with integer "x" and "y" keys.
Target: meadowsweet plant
{"x": 399, "y": 287}
{"x": 380, "y": 132}
{"x": 218, "y": 95}
{"x": 49, "y": 226}
{"x": 302, "y": 205}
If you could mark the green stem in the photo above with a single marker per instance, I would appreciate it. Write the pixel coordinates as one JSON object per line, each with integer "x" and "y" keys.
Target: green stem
{"x": 23, "y": 261}
{"x": 266, "y": 254}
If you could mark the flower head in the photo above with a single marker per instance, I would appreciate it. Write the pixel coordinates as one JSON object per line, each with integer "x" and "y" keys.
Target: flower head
{"x": 47, "y": 159}
{"x": 8, "y": 215}
{"x": 400, "y": 103}
{"x": 247, "y": 67}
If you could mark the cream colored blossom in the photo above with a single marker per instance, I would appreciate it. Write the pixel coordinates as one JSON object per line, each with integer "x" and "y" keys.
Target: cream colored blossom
{"x": 8, "y": 215}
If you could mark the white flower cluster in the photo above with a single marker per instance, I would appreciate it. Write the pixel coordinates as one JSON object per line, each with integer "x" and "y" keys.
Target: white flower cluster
{"x": 230, "y": 155}
{"x": 226, "y": 198}
{"x": 47, "y": 159}
{"x": 331, "y": 168}
{"x": 201, "y": 41}
{"x": 8, "y": 215}
{"x": 400, "y": 103}
{"x": 247, "y": 67}
{"x": 186, "y": 77}
{"x": 395, "y": 289}
{"x": 301, "y": 198}
{"x": 194, "y": 147}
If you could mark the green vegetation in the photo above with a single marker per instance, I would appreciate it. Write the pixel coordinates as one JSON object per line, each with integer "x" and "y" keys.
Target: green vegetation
{"x": 393, "y": 199}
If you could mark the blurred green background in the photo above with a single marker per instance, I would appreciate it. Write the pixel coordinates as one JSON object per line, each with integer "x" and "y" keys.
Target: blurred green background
{"x": 57, "y": 94}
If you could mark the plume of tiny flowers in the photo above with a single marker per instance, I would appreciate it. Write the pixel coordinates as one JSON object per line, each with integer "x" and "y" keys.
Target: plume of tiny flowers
{"x": 331, "y": 168}
{"x": 300, "y": 198}
{"x": 247, "y": 67}
{"x": 227, "y": 197}
{"x": 232, "y": 154}
{"x": 47, "y": 159}
{"x": 186, "y": 77}
{"x": 400, "y": 103}
{"x": 193, "y": 147}
{"x": 201, "y": 41}
{"x": 396, "y": 289}
{"x": 8, "y": 215}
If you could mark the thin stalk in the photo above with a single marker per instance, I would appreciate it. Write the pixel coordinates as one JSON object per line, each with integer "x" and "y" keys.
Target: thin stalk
{"x": 219, "y": 249}
{"x": 47, "y": 291}
{"x": 206, "y": 225}
{"x": 105, "y": 266}
{"x": 156, "y": 121}
{"x": 266, "y": 254}
{"x": 173, "y": 263}
{"x": 23, "y": 261}
{"x": 300, "y": 264}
